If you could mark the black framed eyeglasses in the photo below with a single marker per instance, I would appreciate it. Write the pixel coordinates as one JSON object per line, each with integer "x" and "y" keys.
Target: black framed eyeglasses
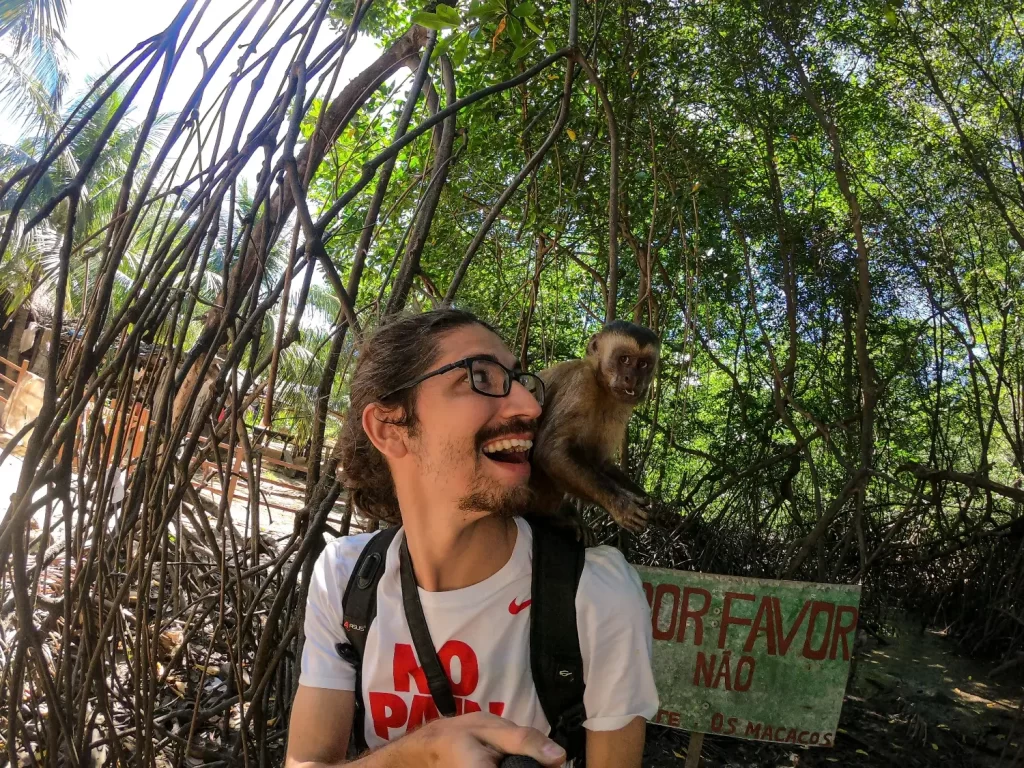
{"x": 486, "y": 376}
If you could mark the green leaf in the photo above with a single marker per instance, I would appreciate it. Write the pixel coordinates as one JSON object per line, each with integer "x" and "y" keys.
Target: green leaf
{"x": 525, "y": 9}
{"x": 459, "y": 50}
{"x": 523, "y": 48}
{"x": 534, "y": 27}
{"x": 549, "y": 46}
{"x": 515, "y": 29}
{"x": 430, "y": 20}
{"x": 442, "y": 47}
{"x": 448, "y": 13}
{"x": 484, "y": 9}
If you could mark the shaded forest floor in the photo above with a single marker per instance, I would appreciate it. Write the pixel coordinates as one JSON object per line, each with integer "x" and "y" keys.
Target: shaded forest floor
{"x": 914, "y": 702}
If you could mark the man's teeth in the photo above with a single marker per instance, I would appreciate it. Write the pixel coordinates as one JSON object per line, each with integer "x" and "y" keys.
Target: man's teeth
{"x": 501, "y": 446}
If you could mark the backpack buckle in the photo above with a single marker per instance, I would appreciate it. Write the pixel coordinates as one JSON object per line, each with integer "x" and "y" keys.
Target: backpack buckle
{"x": 368, "y": 570}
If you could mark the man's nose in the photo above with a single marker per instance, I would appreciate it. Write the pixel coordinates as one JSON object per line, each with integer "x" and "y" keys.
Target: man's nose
{"x": 522, "y": 403}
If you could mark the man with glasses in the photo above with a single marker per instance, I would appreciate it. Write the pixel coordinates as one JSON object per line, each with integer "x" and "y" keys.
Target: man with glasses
{"x": 436, "y": 441}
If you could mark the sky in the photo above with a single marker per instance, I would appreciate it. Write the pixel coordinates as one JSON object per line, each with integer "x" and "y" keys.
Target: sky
{"x": 100, "y": 32}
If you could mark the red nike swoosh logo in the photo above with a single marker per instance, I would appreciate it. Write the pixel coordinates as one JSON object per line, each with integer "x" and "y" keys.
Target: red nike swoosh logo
{"x": 514, "y": 609}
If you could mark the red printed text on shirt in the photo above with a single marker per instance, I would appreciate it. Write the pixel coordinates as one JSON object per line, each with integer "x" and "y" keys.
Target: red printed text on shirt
{"x": 410, "y": 704}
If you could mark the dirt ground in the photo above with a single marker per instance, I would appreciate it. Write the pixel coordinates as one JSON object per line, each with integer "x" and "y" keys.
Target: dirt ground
{"x": 913, "y": 702}
{"x": 279, "y": 500}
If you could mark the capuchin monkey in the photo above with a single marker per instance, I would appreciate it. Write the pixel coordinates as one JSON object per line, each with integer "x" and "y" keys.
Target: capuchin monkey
{"x": 587, "y": 405}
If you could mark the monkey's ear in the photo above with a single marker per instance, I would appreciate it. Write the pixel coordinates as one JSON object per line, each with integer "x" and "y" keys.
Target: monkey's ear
{"x": 592, "y": 344}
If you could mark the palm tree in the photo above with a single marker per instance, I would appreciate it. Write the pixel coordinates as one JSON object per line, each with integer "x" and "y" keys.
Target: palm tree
{"x": 33, "y": 74}
{"x": 29, "y": 269}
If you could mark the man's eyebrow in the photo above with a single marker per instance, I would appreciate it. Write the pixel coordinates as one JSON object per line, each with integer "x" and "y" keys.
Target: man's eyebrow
{"x": 515, "y": 367}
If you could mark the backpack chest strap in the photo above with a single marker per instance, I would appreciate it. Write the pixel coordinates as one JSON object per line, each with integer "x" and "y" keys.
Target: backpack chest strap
{"x": 437, "y": 680}
{"x": 359, "y": 609}
{"x": 555, "y": 656}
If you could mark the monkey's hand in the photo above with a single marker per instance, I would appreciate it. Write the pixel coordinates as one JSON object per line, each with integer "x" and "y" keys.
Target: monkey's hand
{"x": 633, "y": 503}
{"x": 638, "y": 497}
{"x": 628, "y": 513}
{"x": 626, "y": 485}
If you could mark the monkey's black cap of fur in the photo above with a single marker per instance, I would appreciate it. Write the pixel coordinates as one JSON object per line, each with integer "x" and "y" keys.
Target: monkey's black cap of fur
{"x": 642, "y": 336}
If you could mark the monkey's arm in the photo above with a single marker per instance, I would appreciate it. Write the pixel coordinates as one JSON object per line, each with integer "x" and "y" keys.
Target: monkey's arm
{"x": 626, "y": 482}
{"x": 579, "y": 473}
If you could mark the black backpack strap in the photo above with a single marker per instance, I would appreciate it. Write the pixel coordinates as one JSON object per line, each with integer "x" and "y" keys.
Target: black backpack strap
{"x": 437, "y": 680}
{"x": 359, "y": 609}
{"x": 555, "y": 656}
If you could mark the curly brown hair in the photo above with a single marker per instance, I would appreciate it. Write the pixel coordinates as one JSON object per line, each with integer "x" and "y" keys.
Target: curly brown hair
{"x": 400, "y": 349}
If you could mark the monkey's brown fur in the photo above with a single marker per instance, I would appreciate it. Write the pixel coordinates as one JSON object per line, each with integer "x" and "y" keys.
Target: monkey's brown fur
{"x": 587, "y": 407}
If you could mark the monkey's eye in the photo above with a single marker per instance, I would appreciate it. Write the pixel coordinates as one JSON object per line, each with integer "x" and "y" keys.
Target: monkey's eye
{"x": 624, "y": 359}
{"x": 642, "y": 364}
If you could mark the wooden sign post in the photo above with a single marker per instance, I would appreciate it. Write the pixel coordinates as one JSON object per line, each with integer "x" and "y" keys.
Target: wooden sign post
{"x": 693, "y": 752}
{"x": 750, "y": 658}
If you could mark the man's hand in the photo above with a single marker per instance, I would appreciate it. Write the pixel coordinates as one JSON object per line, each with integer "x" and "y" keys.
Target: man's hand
{"x": 476, "y": 740}
{"x": 322, "y": 720}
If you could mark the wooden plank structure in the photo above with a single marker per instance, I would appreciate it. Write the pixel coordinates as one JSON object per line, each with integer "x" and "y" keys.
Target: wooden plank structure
{"x": 237, "y": 474}
{"x": 17, "y": 377}
{"x": 131, "y": 429}
{"x": 18, "y": 372}
{"x": 134, "y": 428}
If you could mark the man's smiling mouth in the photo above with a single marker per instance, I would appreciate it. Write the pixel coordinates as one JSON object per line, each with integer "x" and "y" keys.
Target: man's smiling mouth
{"x": 509, "y": 450}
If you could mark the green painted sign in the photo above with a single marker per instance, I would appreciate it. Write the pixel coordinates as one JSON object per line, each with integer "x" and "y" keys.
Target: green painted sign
{"x": 751, "y": 658}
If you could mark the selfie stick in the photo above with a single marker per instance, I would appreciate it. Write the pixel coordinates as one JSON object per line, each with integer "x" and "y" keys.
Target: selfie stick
{"x": 519, "y": 761}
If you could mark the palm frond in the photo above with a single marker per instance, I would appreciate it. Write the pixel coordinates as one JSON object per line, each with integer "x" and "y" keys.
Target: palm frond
{"x": 25, "y": 96}
{"x": 33, "y": 258}
{"x": 325, "y": 305}
{"x": 27, "y": 21}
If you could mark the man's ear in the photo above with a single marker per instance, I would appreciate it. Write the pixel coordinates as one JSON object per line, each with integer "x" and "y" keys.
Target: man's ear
{"x": 387, "y": 437}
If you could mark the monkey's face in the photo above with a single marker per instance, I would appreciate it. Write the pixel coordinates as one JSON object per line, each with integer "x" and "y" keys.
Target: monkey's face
{"x": 470, "y": 449}
{"x": 626, "y": 367}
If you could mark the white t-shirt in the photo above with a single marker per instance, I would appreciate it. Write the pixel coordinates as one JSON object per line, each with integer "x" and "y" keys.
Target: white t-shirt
{"x": 482, "y": 635}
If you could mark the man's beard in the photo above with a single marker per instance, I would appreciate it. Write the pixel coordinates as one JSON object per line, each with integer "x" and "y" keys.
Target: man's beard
{"x": 503, "y": 502}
